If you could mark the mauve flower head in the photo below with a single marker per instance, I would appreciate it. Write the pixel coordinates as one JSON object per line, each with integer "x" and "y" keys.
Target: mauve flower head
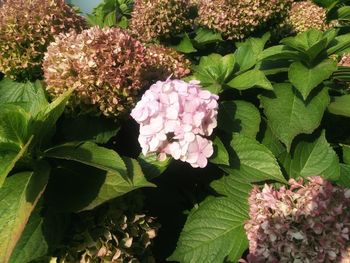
{"x": 175, "y": 119}
{"x": 306, "y": 222}
{"x": 26, "y": 29}
{"x": 105, "y": 66}
{"x": 236, "y": 19}
{"x": 153, "y": 19}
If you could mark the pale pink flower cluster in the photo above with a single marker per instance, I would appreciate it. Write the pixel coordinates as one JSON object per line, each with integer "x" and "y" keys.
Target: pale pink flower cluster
{"x": 175, "y": 118}
{"x": 309, "y": 222}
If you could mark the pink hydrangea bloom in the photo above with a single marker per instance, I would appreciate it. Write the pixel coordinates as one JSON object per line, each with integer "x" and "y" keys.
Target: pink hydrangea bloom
{"x": 175, "y": 118}
{"x": 307, "y": 222}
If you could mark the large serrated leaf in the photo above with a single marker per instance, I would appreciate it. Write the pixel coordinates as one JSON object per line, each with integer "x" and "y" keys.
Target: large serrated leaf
{"x": 32, "y": 243}
{"x": 213, "y": 71}
{"x": 14, "y": 123}
{"x": 214, "y": 231}
{"x": 43, "y": 123}
{"x": 272, "y": 142}
{"x": 288, "y": 115}
{"x": 18, "y": 198}
{"x": 30, "y": 96}
{"x": 305, "y": 40}
{"x": 248, "y": 52}
{"x": 346, "y": 154}
{"x": 186, "y": 46}
{"x": 220, "y": 155}
{"x": 8, "y": 160}
{"x": 250, "y": 79}
{"x": 344, "y": 179}
{"x": 45, "y": 229}
{"x": 206, "y": 36}
{"x": 315, "y": 158}
{"x": 305, "y": 78}
{"x": 239, "y": 116}
{"x": 91, "y": 154}
{"x": 254, "y": 160}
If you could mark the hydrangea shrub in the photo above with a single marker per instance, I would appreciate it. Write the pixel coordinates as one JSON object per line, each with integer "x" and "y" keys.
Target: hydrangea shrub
{"x": 184, "y": 84}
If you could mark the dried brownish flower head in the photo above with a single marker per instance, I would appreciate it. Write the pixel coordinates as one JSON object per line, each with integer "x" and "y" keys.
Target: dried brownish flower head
{"x": 26, "y": 29}
{"x": 164, "y": 62}
{"x": 306, "y": 15}
{"x": 110, "y": 233}
{"x": 105, "y": 66}
{"x": 237, "y": 19}
{"x": 160, "y": 18}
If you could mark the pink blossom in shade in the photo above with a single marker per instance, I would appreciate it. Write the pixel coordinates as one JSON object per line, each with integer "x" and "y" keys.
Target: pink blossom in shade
{"x": 306, "y": 222}
{"x": 175, "y": 118}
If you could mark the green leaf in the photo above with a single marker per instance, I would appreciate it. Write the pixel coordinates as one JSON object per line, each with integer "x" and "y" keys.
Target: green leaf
{"x": 110, "y": 19}
{"x": 316, "y": 51}
{"x": 14, "y": 125}
{"x": 346, "y": 153}
{"x": 114, "y": 187}
{"x": 250, "y": 79}
{"x": 214, "y": 232}
{"x": 278, "y": 52}
{"x": 32, "y": 244}
{"x": 8, "y": 160}
{"x": 343, "y": 13}
{"x": 213, "y": 71}
{"x": 248, "y": 52}
{"x": 93, "y": 186}
{"x": 340, "y": 106}
{"x": 305, "y": 79}
{"x": 206, "y": 36}
{"x": 123, "y": 22}
{"x": 152, "y": 167}
{"x": 45, "y": 229}
{"x": 315, "y": 158}
{"x": 326, "y": 3}
{"x": 88, "y": 128}
{"x": 303, "y": 41}
{"x": 344, "y": 179}
{"x": 91, "y": 154}
{"x": 30, "y": 96}
{"x": 18, "y": 197}
{"x": 254, "y": 160}
{"x": 271, "y": 141}
{"x": 185, "y": 46}
{"x": 239, "y": 116}
{"x": 288, "y": 115}
{"x": 44, "y": 122}
{"x": 339, "y": 44}
{"x": 220, "y": 155}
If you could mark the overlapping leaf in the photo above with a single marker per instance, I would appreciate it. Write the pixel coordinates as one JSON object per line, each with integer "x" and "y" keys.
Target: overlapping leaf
{"x": 289, "y": 115}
